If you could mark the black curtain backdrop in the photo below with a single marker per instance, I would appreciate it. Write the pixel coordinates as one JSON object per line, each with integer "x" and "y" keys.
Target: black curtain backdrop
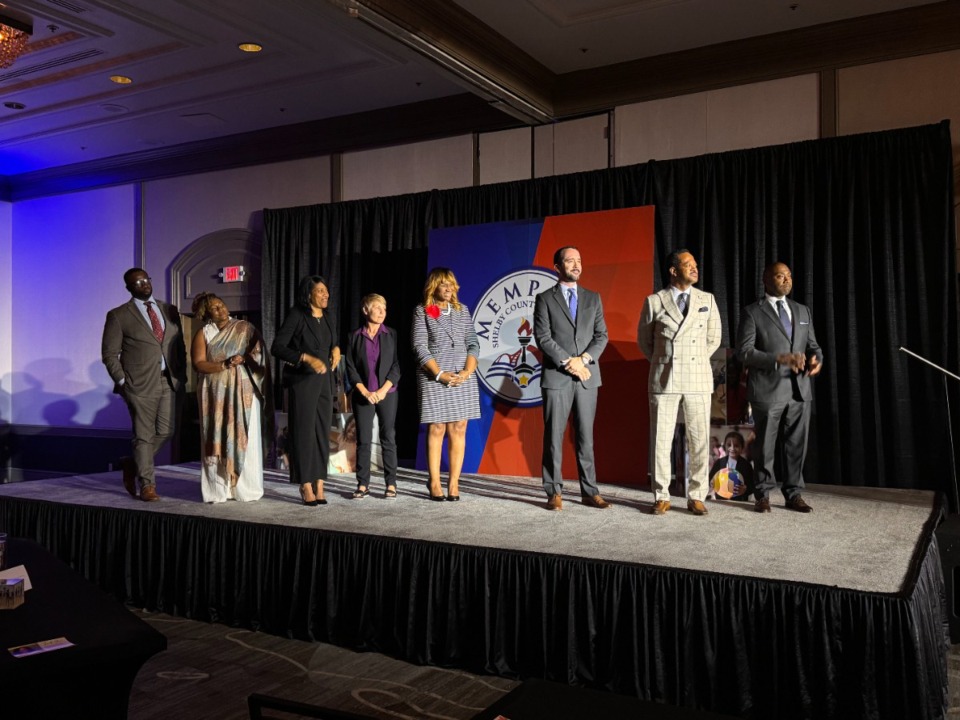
{"x": 865, "y": 222}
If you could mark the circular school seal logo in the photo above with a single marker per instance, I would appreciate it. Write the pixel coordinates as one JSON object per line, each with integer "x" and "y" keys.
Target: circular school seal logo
{"x": 509, "y": 364}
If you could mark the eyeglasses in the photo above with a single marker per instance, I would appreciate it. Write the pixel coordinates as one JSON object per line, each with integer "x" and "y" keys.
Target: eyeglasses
{"x": 141, "y": 282}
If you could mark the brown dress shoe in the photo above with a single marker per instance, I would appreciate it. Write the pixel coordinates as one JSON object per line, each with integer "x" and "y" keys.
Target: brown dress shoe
{"x": 129, "y": 468}
{"x": 762, "y": 505}
{"x": 148, "y": 493}
{"x": 595, "y": 501}
{"x": 555, "y": 502}
{"x": 660, "y": 507}
{"x": 696, "y": 507}
{"x": 798, "y": 503}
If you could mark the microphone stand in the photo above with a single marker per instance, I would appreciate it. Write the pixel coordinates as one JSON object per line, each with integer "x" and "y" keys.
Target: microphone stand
{"x": 955, "y": 500}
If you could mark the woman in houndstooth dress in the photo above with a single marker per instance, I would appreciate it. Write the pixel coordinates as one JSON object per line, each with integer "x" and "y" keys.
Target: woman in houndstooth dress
{"x": 447, "y": 348}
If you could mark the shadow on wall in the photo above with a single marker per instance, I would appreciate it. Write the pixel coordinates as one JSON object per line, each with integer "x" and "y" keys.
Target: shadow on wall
{"x": 80, "y": 427}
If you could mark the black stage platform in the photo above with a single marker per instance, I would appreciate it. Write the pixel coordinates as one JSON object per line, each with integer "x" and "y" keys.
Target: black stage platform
{"x": 586, "y": 597}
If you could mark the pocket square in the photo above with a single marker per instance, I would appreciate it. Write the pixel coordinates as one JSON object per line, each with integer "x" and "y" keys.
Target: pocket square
{"x": 704, "y": 309}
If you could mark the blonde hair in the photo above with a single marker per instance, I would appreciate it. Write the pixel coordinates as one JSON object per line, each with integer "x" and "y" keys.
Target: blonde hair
{"x": 437, "y": 277}
{"x": 368, "y": 301}
{"x": 201, "y": 305}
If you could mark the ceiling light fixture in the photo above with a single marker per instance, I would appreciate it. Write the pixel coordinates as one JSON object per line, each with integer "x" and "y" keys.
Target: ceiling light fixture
{"x": 250, "y": 47}
{"x": 121, "y": 79}
{"x": 15, "y": 30}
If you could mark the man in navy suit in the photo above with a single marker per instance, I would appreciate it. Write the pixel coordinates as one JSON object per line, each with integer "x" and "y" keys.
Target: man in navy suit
{"x": 571, "y": 333}
{"x": 777, "y": 343}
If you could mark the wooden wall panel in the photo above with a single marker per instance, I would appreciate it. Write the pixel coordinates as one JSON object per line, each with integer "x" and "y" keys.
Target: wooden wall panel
{"x": 416, "y": 167}
{"x": 506, "y": 155}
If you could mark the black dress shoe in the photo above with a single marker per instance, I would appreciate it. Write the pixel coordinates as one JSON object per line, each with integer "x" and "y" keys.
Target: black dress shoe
{"x": 798, "y": 504}
{"x": 129, "y": 468}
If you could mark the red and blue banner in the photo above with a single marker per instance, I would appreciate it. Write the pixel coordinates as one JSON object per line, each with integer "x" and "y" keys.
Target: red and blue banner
{"x": 501, "y": 268}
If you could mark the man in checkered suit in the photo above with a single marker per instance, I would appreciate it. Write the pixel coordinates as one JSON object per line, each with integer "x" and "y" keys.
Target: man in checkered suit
{"x": 679, "y": 330}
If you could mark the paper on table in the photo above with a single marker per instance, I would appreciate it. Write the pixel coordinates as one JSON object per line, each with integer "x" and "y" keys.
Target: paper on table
{"x": 17, "y": 572}
{"x": 40, "y": 647}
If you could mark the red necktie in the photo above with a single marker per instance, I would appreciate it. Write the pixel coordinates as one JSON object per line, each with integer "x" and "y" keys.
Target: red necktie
{"x": 155, "y": 323}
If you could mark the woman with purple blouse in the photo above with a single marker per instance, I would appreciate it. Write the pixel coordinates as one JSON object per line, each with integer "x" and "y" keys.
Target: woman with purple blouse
{"x": 374, "y": 371}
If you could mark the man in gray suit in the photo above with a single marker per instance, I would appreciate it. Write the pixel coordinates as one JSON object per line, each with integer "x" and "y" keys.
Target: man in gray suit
{"x": 571, "y": 333}
{"x": 777, "y": 343}
{"x": 145, "y": 355}
{"x": 678, "y": 332}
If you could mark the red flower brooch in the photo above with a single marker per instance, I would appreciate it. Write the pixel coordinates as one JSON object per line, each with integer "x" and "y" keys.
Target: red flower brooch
{"x": 433, "y": 311}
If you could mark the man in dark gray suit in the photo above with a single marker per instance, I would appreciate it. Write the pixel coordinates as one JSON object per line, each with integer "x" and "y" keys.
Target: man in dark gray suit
{"x": 145, "y": 355}
{"x": 571, "y": 333}
{"x": 777, "y": 343}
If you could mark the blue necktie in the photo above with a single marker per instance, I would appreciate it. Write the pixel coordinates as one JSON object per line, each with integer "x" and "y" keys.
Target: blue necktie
{"x": 682, "y": 304}
{"x": 572, "y": 299}
{"x": 785, "y": 319}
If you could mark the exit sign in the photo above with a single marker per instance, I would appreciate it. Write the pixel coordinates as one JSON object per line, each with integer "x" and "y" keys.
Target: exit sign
{"x": 232, "y": 273}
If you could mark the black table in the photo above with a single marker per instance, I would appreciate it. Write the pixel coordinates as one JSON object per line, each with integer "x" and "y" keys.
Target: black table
{"x": 93, "y": 678}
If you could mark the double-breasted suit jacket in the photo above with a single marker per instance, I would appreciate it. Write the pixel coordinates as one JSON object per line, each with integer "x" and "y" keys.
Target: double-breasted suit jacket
{"x": 559, "y": 338}
{"x": 679, "y": 349}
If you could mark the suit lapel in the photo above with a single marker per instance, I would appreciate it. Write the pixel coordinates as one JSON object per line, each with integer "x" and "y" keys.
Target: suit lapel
{"x": 141, "y": 320}
{"x": 670, "y": 305}
{"x": 561, "y": 300}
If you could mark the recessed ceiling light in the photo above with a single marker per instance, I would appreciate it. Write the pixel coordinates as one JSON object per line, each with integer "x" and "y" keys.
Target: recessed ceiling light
{"x": 120, "y": 79}
{"x": 250, "y": 47}
{"x": 15, "y": 106}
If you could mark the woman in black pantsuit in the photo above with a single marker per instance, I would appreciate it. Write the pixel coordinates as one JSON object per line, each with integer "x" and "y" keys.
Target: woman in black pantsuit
{"x": 374, "y": 371}
{"x": 307, "y": 341}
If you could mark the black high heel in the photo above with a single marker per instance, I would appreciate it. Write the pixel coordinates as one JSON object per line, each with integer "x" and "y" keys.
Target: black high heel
{"x": 435, "y": 498}
{"x": 303, "y": 497}
{"x": 453, "y": 498}
{"x": 316, "y": 492}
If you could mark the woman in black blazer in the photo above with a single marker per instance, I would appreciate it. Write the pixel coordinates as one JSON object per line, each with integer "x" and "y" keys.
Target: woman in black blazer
{"x": 307, "y": 342}
{"x": 374, "y": 371}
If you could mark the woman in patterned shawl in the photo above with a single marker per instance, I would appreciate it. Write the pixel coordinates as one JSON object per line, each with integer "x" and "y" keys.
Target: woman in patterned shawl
{"x": 233, "y": 394}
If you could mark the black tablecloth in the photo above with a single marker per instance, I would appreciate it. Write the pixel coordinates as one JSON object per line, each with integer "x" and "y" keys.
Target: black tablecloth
{"x": 110, "y": 644}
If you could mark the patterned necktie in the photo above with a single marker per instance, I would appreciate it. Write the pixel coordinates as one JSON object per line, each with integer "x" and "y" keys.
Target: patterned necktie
{"x": 155, "y": 322}
{"x": 682, "y": 304}
{"x": 785, "y": 319}
{"x": 572, "y": 299}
